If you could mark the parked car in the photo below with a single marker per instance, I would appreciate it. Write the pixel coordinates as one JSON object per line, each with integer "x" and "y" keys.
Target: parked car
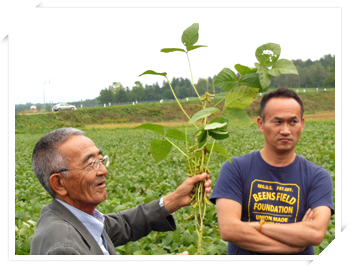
{"x": 63, "y": 106}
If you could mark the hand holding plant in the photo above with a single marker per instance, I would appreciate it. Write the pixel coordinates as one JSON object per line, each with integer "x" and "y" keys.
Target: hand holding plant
{"x": 182, "y": 195}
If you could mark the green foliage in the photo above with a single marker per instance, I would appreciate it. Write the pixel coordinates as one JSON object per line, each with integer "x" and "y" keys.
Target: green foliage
{"x": 258, "y": 77}
{"x": 240, "y": 94}
{"x": 190, "y": 35}
{"x": 151, "y": 72}
{"x": 241, "y": 97}
{"x": 134, "y": 178}
{"x": 160, "y": 149}
{"x": 105, "y": 96}
{"x": 226, "y": 79}
{"x": 268, "y": 54}
{"x": 203, "y": 113}
{"x": 318, "y": 73}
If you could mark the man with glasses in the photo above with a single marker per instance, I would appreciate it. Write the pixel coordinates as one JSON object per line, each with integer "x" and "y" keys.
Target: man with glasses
{"x": 73, "y": 171}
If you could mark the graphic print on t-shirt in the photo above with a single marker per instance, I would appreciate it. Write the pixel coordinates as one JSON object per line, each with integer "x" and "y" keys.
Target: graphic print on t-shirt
{"x": 273, "y": 201}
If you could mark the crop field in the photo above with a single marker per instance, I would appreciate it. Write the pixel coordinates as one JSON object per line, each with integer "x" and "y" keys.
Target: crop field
{"x": 135, "y": 178}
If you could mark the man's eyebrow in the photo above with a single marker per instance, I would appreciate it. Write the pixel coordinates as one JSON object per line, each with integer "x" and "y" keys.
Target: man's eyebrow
{"x": 277, "y": 118}
{"x": 280, "y": 118}
{"x": 87, "y": 157}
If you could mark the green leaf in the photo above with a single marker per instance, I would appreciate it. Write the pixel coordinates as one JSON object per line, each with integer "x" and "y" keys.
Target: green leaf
{"x": 142, "y": 252}
{"x": 219, "y": 131}
{"x": 226, "y": 79}
{"x": 190, "y": 35}
{"x": 151, "y": 72}
{"x": 251, "y": 80}
{"x": 169, "y": 50}
{"x": 219, "y": 150}
{"x": 202, "y": 137}
{"x": 220, "y": 120}
{"x": 214, "y": 126}
{"x": 324, "y": 243}
{"x": 218, "y": 135}
{"x": 240, "y": 97}
{"x": 160, "y": 149}
{"x": 264, "y": 76}
{"x": 23, "y": 231}
{"x": 153, "y": 127}
{"x": 283, "y": 66}
{"x": 176, "y": 134}
{"x": 243, "y": 70}
{"x": 268, "y": 54}
{"x": 190, "y": 48}
{"x": 32, "y": 222}
{"x": 237, "y": 117}
{"x": 203, "y": 113}
{"x": 167, "y": 239}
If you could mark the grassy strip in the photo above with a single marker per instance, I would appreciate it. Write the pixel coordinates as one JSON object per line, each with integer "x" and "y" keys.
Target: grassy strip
{"x": 322, "y": 101}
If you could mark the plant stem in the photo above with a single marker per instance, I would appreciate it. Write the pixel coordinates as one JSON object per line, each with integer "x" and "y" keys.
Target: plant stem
{"x": 220, "y": 101}
{"x": 179, "y": 102}
{"x": 177, "y": 99}
{"x": 189, "y": 64}
{"x": 211, "y": 151}
{"x": 176, "y": 147}
{"x": 186, "y": 138}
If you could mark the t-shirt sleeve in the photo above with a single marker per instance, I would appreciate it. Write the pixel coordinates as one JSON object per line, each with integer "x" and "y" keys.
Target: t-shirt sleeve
{"x": 229, "y": 183}
{"x": 321, "y": 192}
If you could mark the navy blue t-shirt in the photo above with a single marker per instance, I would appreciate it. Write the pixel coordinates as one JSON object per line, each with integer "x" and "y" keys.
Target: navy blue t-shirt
{"x": 276, "y": 194}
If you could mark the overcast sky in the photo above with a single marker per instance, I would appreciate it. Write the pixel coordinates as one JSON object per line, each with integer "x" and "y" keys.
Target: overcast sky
{"x": 82, "y": 51}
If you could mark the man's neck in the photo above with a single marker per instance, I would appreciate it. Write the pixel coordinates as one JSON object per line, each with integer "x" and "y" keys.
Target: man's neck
{"x": 88, "y": 209}
{"x": 278, "y": 159}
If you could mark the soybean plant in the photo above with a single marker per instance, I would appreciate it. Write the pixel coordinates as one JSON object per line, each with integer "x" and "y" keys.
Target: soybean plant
{"x": 211, "y": 123}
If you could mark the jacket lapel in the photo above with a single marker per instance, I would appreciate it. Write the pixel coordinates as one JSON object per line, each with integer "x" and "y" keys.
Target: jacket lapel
{"x": 70, "y": 218}
{"x": 110, "y": 245}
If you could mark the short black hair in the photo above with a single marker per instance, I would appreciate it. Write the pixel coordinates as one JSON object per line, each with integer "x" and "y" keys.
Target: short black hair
{"x": 280, "y": 93}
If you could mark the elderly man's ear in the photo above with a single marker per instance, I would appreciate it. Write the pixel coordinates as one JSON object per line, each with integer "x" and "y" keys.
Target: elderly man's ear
{"x": 57, "y": 184}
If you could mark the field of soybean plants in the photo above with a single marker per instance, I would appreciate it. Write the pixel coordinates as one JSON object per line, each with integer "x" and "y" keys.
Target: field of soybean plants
{"x": 135, "y": 178}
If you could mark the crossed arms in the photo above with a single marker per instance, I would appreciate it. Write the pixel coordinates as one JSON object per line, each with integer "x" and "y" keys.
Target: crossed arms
{"x": 272, "y": 238}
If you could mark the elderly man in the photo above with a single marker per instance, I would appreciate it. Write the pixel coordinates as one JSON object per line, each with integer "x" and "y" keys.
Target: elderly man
{"x": 73, "y": 171}
{"x": 274, "y": 201}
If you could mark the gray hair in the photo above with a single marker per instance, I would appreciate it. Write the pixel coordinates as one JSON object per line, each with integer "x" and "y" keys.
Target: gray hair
{"x": 47, "y": 159}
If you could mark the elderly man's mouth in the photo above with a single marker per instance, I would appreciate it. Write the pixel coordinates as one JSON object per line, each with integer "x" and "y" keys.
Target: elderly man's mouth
{"x": 102, "y": 184}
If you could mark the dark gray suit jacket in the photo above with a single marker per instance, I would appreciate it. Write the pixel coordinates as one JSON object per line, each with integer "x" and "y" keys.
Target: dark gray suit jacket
{"x": 59, "y": 232}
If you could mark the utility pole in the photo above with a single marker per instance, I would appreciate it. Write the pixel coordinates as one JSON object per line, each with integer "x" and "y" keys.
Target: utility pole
{"x": 44, "y": 92}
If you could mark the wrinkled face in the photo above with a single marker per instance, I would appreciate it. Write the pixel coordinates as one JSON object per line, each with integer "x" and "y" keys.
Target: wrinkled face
{"x": 86, "y": 188}
{"x": 283, "y": 124}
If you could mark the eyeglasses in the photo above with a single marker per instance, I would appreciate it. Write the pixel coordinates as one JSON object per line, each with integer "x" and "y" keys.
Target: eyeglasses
{"x": 94, "y": 165}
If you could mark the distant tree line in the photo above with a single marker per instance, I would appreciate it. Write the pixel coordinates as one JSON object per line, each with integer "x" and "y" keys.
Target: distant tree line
{"x": 312, "y": 74}
{"x": 183, "y": 88}
{"x": 319, "y": 73}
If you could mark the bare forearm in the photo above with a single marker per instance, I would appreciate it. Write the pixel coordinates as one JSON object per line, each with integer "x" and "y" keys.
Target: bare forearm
{"x": 297, "y": 234}
{"x": 308, "y": 232}
{"x": 244, "y": 234}
{"x": 248, "y": 238}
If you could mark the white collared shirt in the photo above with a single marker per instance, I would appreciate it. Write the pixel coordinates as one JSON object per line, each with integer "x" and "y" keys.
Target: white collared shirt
{"x": 93, "y": 223}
